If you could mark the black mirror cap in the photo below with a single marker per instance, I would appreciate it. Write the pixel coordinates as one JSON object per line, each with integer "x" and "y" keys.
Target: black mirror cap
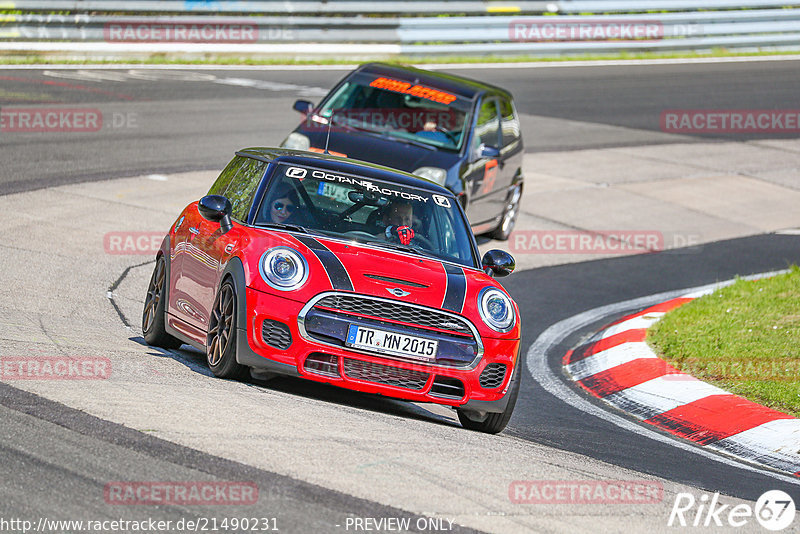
{"x": 216, "y": 208}
{"x": 498, "y": 263}
{"x": 303, "y": 106}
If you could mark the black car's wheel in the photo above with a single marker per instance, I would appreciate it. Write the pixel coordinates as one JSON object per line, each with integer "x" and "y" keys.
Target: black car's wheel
{"x": 221, "y": 338}
{"x": 153, "y": 313}
{"x": 493, "y": 423}
{"x": 510, "y": 214}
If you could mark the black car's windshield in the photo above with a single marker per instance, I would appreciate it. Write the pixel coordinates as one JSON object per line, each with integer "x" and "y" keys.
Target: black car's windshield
{"x": 307, "y": 199}
{"x": 417, "y": 113}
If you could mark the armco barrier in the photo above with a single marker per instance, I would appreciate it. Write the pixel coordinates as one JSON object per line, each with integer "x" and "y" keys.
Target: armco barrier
{"x": 504, "y": 32}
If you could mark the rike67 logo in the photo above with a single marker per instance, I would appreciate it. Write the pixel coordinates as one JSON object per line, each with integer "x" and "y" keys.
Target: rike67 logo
{"x": 774, "y": 510}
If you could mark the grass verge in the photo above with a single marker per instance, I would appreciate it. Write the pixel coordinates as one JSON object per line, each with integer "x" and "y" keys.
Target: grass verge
{"x": 744, "y": 338}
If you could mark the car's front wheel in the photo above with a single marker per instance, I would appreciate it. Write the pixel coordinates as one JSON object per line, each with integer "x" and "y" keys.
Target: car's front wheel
{"x": 153, "y": 313}
{"x": 221, "y": 338}
{"x": 510, "y": 213}
{"x": 493, "y": 423}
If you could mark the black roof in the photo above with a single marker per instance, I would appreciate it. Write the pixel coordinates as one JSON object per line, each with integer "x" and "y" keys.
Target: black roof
{"x": 466, "y": 87}
{"x": 344, "y": 165}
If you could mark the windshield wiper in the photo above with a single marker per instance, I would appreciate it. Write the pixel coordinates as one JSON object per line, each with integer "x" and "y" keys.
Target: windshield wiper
{"x": 403, "y": 248}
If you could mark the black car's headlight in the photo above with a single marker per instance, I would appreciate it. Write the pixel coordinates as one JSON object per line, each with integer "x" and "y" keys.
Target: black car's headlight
{"x": 496, "y": 309}
{"x": 283, "y": 268}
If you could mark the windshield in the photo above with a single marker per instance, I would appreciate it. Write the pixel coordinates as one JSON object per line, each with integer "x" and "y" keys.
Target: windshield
{"x": 397, "y": 109}
{"x": 306, "y": 199}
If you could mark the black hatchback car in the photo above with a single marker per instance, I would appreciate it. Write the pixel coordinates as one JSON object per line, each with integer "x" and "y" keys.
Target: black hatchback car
{"x": 457, "y": 132}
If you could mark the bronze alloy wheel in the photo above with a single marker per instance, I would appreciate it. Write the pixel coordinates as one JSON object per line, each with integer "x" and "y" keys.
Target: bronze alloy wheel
{"x": 154, "y": 292}
{"x": 221, "y": 326}
{"x": 221, "y": 338}
{"x": 153, "y": 314}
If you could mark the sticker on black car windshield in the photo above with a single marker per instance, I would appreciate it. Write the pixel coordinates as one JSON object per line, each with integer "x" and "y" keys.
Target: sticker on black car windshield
{"x": 441, "y": 201}
{"x": 420, "y": 91}
{"x": 296, "y": 172}
{"x": 368, "y": 185}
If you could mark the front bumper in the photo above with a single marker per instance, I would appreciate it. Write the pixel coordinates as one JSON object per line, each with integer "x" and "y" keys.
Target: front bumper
{"x": 478, "y": 383}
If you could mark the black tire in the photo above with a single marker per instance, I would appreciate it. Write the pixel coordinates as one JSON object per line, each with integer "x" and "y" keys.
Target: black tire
{"x": 221, "y": 337}
{"x": 153, "y": 313}
{"x": 510, "y": 214}
{"x": 494, "y": 423}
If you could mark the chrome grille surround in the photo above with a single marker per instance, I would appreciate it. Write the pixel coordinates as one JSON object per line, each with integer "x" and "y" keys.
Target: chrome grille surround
{"x": 377, "y": 301}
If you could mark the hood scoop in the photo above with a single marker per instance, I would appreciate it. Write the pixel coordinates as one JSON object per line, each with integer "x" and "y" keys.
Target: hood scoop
{"x": 398, "y": 281}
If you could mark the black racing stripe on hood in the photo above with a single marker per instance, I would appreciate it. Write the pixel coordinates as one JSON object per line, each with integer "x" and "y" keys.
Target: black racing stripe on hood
{"x": 456, "y": 290}
{"x": 337, "y": 274}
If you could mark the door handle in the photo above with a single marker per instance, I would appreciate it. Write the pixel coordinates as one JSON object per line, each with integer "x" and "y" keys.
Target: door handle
{"x": 194, "y": 230}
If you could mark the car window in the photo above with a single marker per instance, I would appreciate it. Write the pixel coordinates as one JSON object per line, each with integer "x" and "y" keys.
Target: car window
{"x": 366, "y": 210}
{"x": 242, "y": 188}
{"x": 394, "y": 108}
{"x": 509, "y": 122}
{"x": 487, "y": 129}
{"x": 225, "y": 177}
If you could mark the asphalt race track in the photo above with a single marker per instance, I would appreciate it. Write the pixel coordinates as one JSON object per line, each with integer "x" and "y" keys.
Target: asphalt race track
{"x": 59, "y": 452}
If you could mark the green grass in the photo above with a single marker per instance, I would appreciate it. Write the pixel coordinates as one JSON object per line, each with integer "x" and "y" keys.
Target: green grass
{"x": 744, "y": 338}
{"x": 162, "y": 59}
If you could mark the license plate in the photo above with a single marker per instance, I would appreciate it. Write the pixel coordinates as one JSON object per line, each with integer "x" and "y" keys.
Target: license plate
{"x": 418, "y": 348}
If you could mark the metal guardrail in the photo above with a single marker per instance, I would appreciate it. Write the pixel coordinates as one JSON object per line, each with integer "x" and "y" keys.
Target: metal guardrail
{"x": 420, "y": 35}
{"x": 354, "y": 7}
{"x": 410, "y": 7}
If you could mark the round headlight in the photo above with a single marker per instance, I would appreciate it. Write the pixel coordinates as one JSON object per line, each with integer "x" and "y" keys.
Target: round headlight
{"x": 283, "y": 268}
{"x": 496, "y": 309}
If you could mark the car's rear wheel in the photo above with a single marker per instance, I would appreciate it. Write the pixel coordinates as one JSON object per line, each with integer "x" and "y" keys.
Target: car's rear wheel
{"x": 153, "y": 313}
{"x": 510, "y": 213}
{"x": 493, "y": 423}
{"x": 221, "y": 338}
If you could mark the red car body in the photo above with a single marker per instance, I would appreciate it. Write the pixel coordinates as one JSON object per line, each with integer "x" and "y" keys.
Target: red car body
{"x": 302, "y": 332}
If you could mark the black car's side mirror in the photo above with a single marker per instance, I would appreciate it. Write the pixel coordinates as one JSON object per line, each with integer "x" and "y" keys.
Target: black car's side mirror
{"x": 303, "y": 106}
{"x": 498, "y": 263}
{"x": 216, "y": 208}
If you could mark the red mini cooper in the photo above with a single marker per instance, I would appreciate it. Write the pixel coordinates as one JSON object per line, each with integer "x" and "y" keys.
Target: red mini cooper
{"x": 341, "y": 272}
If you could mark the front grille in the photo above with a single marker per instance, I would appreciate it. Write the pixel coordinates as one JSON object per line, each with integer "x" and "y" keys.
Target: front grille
{"x": 276, "y": 334}
{"x": 492, "y": 375}
{"x": 384, "y": 374}
{"x": 446, "y": 387}
{"x": 322, "y": 364}
{"x": 395, "y": 312}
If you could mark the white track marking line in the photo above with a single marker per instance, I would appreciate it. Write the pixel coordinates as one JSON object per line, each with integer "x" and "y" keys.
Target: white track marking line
{"x": 554, "y": 335}
{"x": 609, "y": 358}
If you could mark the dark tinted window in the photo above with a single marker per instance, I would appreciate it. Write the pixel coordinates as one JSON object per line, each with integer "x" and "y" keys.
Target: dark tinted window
{"x": 242, "y": 188}
{"x": 509, "y": 121}
{"x": 488, "y": 126}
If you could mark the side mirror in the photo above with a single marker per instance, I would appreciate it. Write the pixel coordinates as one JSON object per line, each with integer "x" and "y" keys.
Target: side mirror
{"x": 216, "y": 208}
{"x": 498, "y": 263}
{"x": 303, "y": 106}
